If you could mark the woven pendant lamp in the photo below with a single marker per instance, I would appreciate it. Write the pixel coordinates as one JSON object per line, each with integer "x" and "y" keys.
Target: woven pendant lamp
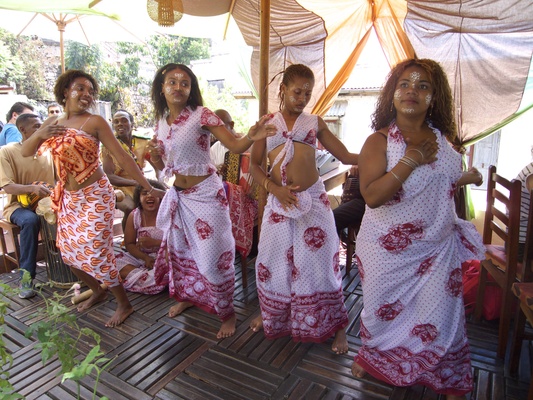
{"x": 165, "y": 12}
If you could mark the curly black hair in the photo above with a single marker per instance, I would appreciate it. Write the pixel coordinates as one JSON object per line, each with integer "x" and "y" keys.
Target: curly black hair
{"x": 65, "y": 80}
{"x": 442, "y": 111}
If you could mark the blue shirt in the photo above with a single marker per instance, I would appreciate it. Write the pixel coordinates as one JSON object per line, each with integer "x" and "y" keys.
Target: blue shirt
{"x": 9, "y": 134}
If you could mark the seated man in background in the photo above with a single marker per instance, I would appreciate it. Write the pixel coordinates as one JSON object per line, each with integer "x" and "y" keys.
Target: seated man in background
{"x": 218, "y": 150}
{"x": 352, "y": 208}
{"x": 10, "y": 132}
{"x": 122, "y": 124}
{"x": 18, "y": 176}
{"x": 54, "y": 110}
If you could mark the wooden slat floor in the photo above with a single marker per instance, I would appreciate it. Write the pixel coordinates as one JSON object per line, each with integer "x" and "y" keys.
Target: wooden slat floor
{"x": 157, "y": 357}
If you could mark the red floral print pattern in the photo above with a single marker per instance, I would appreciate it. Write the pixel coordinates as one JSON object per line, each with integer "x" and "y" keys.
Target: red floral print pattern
{"x": 203, "y": 141}
{"x": 388, "y": 312}
{"x": 203, "y": 229}
{"x": 315, "y": 237}
{"x": 426, "y": 332}
{"x": 455, "y": 283}
{"x": 276, "y": 218}
{"x": 325, "y": 200}
{"x": 401, "y": 236}
{"x": 310, "y": 138}
{"x": 425, "y": 265}
{"x": 263, "y": 272}
{"x": 225, "y": 261}
{"x": 221, "y": 197}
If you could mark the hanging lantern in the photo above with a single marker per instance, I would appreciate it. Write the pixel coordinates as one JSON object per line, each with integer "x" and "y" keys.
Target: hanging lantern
{"x": 165, "y": 12}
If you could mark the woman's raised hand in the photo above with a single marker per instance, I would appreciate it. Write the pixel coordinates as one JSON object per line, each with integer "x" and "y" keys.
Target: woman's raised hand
{"x": 262, "y": 129}
{"x": 50, "y": 130}
{"x": 154, "y": 149}
{"x": 423, "y": 153}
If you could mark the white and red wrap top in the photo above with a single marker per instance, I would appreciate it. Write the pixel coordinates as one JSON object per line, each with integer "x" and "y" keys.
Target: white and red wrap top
{"x": 185, "y": 143}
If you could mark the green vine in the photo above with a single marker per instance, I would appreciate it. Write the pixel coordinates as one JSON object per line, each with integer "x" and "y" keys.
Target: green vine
{"x": 54, "y": 340}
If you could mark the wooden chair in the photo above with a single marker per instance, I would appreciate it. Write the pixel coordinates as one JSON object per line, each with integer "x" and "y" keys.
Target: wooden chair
{"x": 13, "y": 231}
{"x": 524, "y": 292}
{"x": 350, "y": 246}
{"x": 501, "y": 260}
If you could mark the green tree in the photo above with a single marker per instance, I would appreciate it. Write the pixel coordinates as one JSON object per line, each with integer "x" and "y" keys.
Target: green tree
{"x": 11, "y": 67}
{"x": 215, "y": 98}
{"x": 177, "y": 49}
{"x": 22, "y": 61}
{"x": 86, "y": 58}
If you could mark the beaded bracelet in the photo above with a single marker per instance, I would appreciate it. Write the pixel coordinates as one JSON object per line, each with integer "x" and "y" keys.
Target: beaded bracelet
{"x": 397, "y": 177}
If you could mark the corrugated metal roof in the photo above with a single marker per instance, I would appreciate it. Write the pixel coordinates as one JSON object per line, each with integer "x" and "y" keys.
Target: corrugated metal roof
{"x": 338, "y": 109}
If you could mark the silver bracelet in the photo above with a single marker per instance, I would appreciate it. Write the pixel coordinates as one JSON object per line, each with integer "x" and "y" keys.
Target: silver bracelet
{"x": 397, "y": 177}
{"x": 419, "y": 152}
{"x": 248, "y": 137}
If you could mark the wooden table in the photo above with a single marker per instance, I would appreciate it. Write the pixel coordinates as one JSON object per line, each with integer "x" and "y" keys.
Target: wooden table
{"x": 335, "y": 177}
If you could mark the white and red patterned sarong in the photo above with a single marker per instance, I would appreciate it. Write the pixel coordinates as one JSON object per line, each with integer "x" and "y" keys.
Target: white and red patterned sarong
{"x": 297, "y": 269}
{"x": 409, "y": 254}
{"x": 198, "y": 249}
{"x": 141, "y": 279}
{"x": 85, "y": 230}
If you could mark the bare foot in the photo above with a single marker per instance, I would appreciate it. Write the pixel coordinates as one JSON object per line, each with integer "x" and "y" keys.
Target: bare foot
{"x": 358, "y": 371}
{"x": 177, "y": 309}
{"x": 120, "y": 316}
{"x": 340, "y": 344}
{"x": 96, "y": 297}
{"x": 257, "y": 324}
{"x": 228, "y": 328}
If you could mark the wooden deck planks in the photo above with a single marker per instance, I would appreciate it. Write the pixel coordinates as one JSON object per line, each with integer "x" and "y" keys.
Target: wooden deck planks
{"x": 157, "y": 357}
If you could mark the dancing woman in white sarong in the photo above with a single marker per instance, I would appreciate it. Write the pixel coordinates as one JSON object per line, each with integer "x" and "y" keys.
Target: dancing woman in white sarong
{"x": 411, "y": 242}
{"x": 198, "y": 250}
{"x": 297, "y": 268}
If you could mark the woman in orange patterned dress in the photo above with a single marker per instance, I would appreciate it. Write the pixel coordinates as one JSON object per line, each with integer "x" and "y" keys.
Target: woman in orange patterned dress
{"x": 83, "y": 197}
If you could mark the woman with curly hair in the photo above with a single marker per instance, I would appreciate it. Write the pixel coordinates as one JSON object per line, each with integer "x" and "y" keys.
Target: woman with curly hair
{"x": 83, "y": 198}
{"x": 411, "y": 242}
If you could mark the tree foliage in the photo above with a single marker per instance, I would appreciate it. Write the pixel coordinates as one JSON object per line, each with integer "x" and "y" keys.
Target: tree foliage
{"x": 86, "y": 58}
{"x": 23, "y": 63}
{"x": 177, "y": 49}
{"x": 124, "y": 81}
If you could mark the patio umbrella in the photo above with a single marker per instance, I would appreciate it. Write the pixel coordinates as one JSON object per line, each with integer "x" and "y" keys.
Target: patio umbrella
{"x": 69, "y": 14}
{"x": 96, "y": 21}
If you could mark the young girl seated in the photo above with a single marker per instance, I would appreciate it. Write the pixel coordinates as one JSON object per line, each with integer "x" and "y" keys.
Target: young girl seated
{"x": 142, "y": 239}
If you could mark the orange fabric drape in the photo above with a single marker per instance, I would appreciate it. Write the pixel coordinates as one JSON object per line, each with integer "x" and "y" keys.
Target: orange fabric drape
{"x": 386, "y": 18}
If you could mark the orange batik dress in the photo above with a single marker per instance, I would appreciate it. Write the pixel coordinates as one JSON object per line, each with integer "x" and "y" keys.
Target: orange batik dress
{"x": 84, "y": 216}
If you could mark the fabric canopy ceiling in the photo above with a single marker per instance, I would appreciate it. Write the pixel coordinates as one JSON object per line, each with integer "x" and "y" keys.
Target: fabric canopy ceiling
{"x": 485, "y": 46}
